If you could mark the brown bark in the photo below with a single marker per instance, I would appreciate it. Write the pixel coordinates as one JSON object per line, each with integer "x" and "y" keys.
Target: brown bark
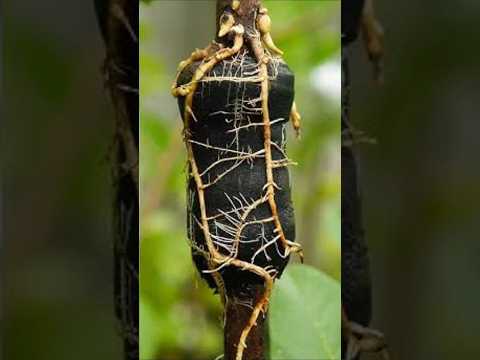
{"x": 245, "y": 14}
{"x": 236, "y": 316}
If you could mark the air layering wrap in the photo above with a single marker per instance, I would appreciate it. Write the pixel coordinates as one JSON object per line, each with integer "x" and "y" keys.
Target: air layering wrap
{"x": 226, "y": 133}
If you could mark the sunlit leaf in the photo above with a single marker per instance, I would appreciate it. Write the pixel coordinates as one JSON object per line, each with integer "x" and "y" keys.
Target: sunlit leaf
{"x": 305, "y": 316}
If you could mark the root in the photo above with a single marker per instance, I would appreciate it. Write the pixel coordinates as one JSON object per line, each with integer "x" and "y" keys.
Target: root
{"x": 295, "y": 119}
{"x": 362, "y": 340}
{"x": 263, "y": 59}
{"x": 197, "y": 55}
{"x": 373, "y": 37}
{"x": 261, "y": 306}
{"x": 264, "y": 25}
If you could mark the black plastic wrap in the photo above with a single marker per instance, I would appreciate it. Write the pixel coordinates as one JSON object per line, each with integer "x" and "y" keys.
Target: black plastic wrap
{"x": 227, "y": 115}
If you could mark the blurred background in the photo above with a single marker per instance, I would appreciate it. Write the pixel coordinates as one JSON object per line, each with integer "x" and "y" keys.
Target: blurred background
{"x": 56, "y": 243}
{"x": 180, "y": 318}
{"x": 421, "y": 180}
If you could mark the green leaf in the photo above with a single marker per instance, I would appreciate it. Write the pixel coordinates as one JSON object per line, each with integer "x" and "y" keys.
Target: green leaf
{"x": 305, "y": 316}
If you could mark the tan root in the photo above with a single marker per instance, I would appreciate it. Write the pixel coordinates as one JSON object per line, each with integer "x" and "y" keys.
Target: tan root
{"x": 373, "y": 38}
{"x": 295, "y": 118}
{"x": 264, "y": 25}
{"x": 361, "y": 339}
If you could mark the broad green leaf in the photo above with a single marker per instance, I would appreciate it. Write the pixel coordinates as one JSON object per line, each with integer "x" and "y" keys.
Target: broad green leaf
{"x": 305, "y": 316}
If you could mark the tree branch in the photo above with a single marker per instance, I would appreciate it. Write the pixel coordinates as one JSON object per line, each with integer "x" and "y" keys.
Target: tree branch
{"x": 237, "y": 314}
{"x": 118, "y": 20}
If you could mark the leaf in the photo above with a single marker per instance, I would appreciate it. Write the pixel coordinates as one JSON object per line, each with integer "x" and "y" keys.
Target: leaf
{"x": 305, "y": 316}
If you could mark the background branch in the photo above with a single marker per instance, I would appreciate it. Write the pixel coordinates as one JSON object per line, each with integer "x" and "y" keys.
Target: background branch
{"x": 118, "y": 21}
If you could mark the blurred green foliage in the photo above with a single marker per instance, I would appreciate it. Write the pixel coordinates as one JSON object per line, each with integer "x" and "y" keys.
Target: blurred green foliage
{"x": 180, "y": 318}
{"x": 307, "y": 300}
